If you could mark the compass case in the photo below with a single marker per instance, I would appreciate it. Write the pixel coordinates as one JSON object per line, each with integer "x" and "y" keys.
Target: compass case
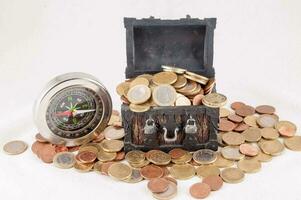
{"x": 185, "y": 43}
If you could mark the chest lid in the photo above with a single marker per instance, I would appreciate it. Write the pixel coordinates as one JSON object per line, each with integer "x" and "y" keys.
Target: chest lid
{"x": 185, "y": 43}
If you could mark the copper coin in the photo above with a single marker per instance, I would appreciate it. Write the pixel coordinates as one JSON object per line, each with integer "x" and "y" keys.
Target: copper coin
{"x": 226, "y": 125}
{"x": 73, "y": 149}
{"x": 104, "y": 168}
{"x": 237, "y": 105}
{"x": 120, "y": 156}
{"x": 98, "y": 137}
{"x": 59, "y": 149}
{"x": 233, "y": 138}
{"x": 40, "y": 138}
{"x": 215, "y": 182}
{"x": 158, "y": 185}
{"x": 168, "y": 194}
{"x": 235, "y": 118}
{"x": 241, "y": 127}
{"x": 36, "y": 146}
{"x": 248, "y": 149}
{"x": 286, "y": 128}
{"x": 245, "y": 111}
{"x": 197, "y": 100}
{"x": 47, "y": 153}
{"x": 86, "y": 157}
{"x": 200, "y": 190}
{"x": 265, "y": 109}
{"x": 177, "y": 153}
{"x": 151, "y": 171}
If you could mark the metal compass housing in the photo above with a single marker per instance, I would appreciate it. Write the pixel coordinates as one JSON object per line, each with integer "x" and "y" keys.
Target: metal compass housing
{"x": 71, "y": 108}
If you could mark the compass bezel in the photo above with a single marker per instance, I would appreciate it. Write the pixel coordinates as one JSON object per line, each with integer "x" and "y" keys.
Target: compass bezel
{"x": 56, "y": 85}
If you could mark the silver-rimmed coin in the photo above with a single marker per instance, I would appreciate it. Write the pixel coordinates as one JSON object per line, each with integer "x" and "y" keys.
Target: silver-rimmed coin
{"x": 64, "y": 160}
{"x": 15, "y": 147}
{"x": 204, "y": 156}
{"x": 232, "y": 153}
{"x": 164, "y": 95}
{"x": 139, "y": 94}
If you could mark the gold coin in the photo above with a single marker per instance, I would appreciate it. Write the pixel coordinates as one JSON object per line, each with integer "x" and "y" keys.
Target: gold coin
{"x": 232, "y": 153}
{"x": 221, "y": 162}
{"x": 197, "y": 90}
{"x": 262, "y": 157}
{"x": 164, "y": 95}
{"x": 139, "y": 108}
{"x": 170, "y": 193}
{"x": 139, "y": 94}
{"x": 188, "y": 88}
{"x": 89, "y": 147}
{"x": 149, "y": 77}
{"x": 233, "y": 138}
{"x": 135, "y": 156}
{"x": 214, "y": 100}
{"x": 120, "y": 171}
{"x": 64, "y": 160}
{"x": 135, "y": 177}
{"x": 232, "y": 175}
{"x": 196, "y": 77}
{"x": 112, "y": 145}
{"x": 293, "y": 143}
{"x": 252, "y": 134}
{"x": 159, "y": 157}
{"x": 177, "y": 70}
{"x": 83, "y": 167}
{"x": 123, "y": 88}
{"x": 286, "y": 128}
{"x": 224, "y": 112}
{"x": 184, "y": 159}
{"x": 251, "y": 120}
{"x": 272, "y": 147}
{"x": 269, "y": 133}
{"x": 181, "y": 82}
{"x": 163, "y": 78}
{"x": 140, "y": 165}
{"x": 249, "y": 166}
{"x": 15, "y": 147}
{"x": 139, "y": 81}
{"x": 182, "y": 101}
{"x": 204, "y": 156}
{"x": 207, "y": 170}
{"x": 182, "y": 172}
{"x": 106, "y": 156}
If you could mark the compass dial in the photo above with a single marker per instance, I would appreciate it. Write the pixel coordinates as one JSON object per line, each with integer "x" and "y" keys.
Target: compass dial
{"x": 74, "y": 112}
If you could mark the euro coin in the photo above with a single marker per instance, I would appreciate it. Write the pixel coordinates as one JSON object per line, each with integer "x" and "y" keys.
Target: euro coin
{"x": 188, "y": 88}
{"x": 196, "y": 77}
{"x": 139, "y": 94}
{"x": 293, "y": 143}
{"x": 286, "y": 128}
{"x": 224, "y": 112}
{"x": 15, "y": 147}
{"x": 135, "y": 156}
{"x": 233, "y": 138}
{"x": 245, "y": 111}
{"x": 269, "y": 133}
{"x": 252, "y": 134}
{"x": 221, "y": 162}
{"x": 135, "y": 177}
{"x": 119, "y": 171}
{"x": 158, "y": 185}
{"x": 204, "y": 156}
{"x": 81, "y": 167}
{"x": 170, "y": 193}
{"x": 249, "y": 166}
{"x": 265, "y": 109}
{"x": 214, "y": 100}
{"x": 64, "y": 160}
{"x": 151, "y": 171}
{"x": 163, "y": 78}
{"x": 182, "y": 172}
{"x": 177, "y": 70}
{"x": 106, "y": 156}
{"x": 248, "y": 149}
{"x": 181, "y": 82}
{"x": 199, "y": 190}
{"x": 182, "y": 101}
{"x": 86, "y": 157}
{"x": 232, "y": 175}
{"x": 262, "y": 157}
{"x": 251, "y": 120}
{"x": 164, "y": 95}
{"x": 139, "y": 108}
{"x": 232, "y": 153}
{"x": 112, "y": 133}
{"x": 273, "y": 147}
{"x": 207, "y": 170}
{"x": 123, "y": 88}
{"x": 267, "y": 121}
{"x": 184, "y": 159}
{"x": 112, "y": 145}
{"x": 215, "y": 182}
{"x": 139, "y": 81}
{"x": 159, "y": 157}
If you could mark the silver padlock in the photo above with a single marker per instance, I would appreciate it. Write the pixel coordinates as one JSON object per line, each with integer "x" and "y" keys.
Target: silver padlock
{"x": 191, "y": 126}
{"x": 150, "y": 127}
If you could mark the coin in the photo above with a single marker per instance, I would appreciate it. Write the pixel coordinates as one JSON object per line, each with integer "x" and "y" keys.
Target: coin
{"x": 158, "y": 185}
{"x": 182, "y": 172}
{"x": 225, "y": 125}
{"x": 113, "y": 119}
{"x": 163, "y": 78}
{"x": 176, "y": 153}
{"x": 249, "y": 166}
{"x": 139, "y": 81}
{"x": 40, "y": 138}
{"x": 112, "y": 133}
{"x": 177, "y": 70}
{"x": 86, "y": 157}
{"x": 269, "y": 133}
{"x": 88, "y": 147}
{"x": 197, "y": 99}
{"x": 237, "y": 105}
{"x": 159, "y": 157}
{"x": 181, "y": 82}
{"x": 235, "y": 118}
{"x": 252, "y": 134}
{"x": 214, "y": 100}
{"x": 251, "y": 120}
{"x": 248, "y": 149}
{"x": 267, "y": 121}
{"x": 204, "y": 156}
{"x": 182, "y": 160}
{"x": 83, "y": 167}
{"x": 215, "y": 182}
{"x": 135, "y": 156}
{"x": 123, "y": 88}
{"x": 168, "y": 194}
{"x": 149, "y": 77}
{"x": 286, "y": 128}
{"x": 233, "y": 138}
{"x": 36, "y": 146}
{"x": 112, "y": 145}
{"x": 106, "y": 156}
{"x": 241, "y": 127}
{"x": 15, "y": 147}
{"x": 47, "y": 153}
{"x": 232, "y": 175}
{"x": 196, "y": 77}
{"x": 164, "y": 95}
{"x": 135, "y": 177}
{"x": 139, "y": 94}
{"x": 272, "y": 147}
{"x": 139, "y": 108}
{"x": 103, "y": 167}
{"x": 64, "y": 160}
{"x": 209, "y": 86}
{"x": 199, "y": 190}
{"x": 188, "y": 88}
{"x": 231, "y": 153}
{"x": 262, "y": 157}
{"x": 265, "y": 109}
{"x": 182, "y": 101}
{"x": 140, "y": 165}
{"x": 170, "y": 179}
{"x": 224, "y": 112}
{"x": 245, "y": 111}
{"x": 293, "y": 143}
{"x": 119, "y": 171}
{"x": 151, "y": 171}
{"x": 207, "y": 170}
{"x": 221, "y": 162}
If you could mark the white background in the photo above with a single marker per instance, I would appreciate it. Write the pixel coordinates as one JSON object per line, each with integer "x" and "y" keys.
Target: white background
{"x": 257, "y": 60}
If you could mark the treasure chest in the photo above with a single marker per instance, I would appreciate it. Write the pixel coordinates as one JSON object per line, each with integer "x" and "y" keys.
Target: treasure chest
{"x": 188, "y": 43}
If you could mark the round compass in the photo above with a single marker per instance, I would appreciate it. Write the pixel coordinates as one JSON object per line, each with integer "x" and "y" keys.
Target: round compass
{"x": 71, "y": 108}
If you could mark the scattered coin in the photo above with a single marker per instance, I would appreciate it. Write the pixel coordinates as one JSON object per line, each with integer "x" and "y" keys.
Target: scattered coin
{"x": 272, "y": 147}
{"x": 181, "y": 82}
{"x": 200, "y": 190}
{"x": 269, "y": 133}
{"x": 112, "y": 145}
{"x": 64, "y": 160}
{"x": 249, "y": 166}
{"x": 251, "y": 120}
{"x": 81, "y": 167}
{"x": 226, "y": 125}
{"x": 265, "y": 109}
{"x": 119, "y": 171}
{"x": 47, "y": 153}
{"x": 267, "y": 121}
{"x": 135, "y": 177}
{"x": 158, "y": 185}
{"x": 262, "y": 157}
{"x": 237, "y": 105}
{"x": 221, "y": 162}
{"x": 40, "y": 138}
{"x": 241, "y": 127}
{"x": 123, "y": 88}
{"x": 135, "y": 156}
{"x": 177, "y": 153}
{"x": 245, "y": 111}
{"x": 164, "y": 95}
{"x": 293, "y": 143}
{"x": 197, "y": 99}
{"x": 182, "y": 101}
{"x": 168, "y": 194}
{"x": 182, "y": 160}
{"x": 204, "y": 156}
{"x": 112, "y": 133}
{"x": 233, "y": 138}
{"x": 215, "y": 182}
{"x": 248, "y": 149}
{"x": 207, "y": 170}
{"x": 106, "y": 156}
{"x": 286, "y": 128}
{"x": 159, "y": 157}
{"x": 182, "y": 172}
{"x": 104, "y": 167}
{"x": 15, "y": 147}
{"x": 224, "y": 112}
{"x": 36, "y": 146}
{"x": 252, "y": 134}
{"x": 232, "y": 175}
{"x": 214, "y": 100}
{"x": 235, "y": 118}
{"x": 139, "y": 81}
{"x": 151, "y": 171}
{"x": 163, "y": 78}
{"x": 232, "y": 153}
{"x": 86, "y": 157}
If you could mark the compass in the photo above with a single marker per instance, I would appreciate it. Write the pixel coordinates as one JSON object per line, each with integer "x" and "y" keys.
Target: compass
{"x": 71, "y": 108}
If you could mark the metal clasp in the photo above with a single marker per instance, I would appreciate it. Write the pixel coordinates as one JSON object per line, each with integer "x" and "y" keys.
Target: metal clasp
{"x": 168, "y": 139}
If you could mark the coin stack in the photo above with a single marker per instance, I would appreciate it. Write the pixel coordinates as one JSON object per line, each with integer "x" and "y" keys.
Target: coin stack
{"x": 248, "y": 137}
{"x": 172, "y": 87}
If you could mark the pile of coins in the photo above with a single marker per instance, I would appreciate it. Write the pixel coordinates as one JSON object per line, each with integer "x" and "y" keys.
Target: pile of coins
{"x": 172, "y": 87}
{"x": 247, "y": 137}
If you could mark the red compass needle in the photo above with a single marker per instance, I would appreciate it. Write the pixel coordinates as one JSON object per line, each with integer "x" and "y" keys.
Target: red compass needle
{"x": 67, "y": 113}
